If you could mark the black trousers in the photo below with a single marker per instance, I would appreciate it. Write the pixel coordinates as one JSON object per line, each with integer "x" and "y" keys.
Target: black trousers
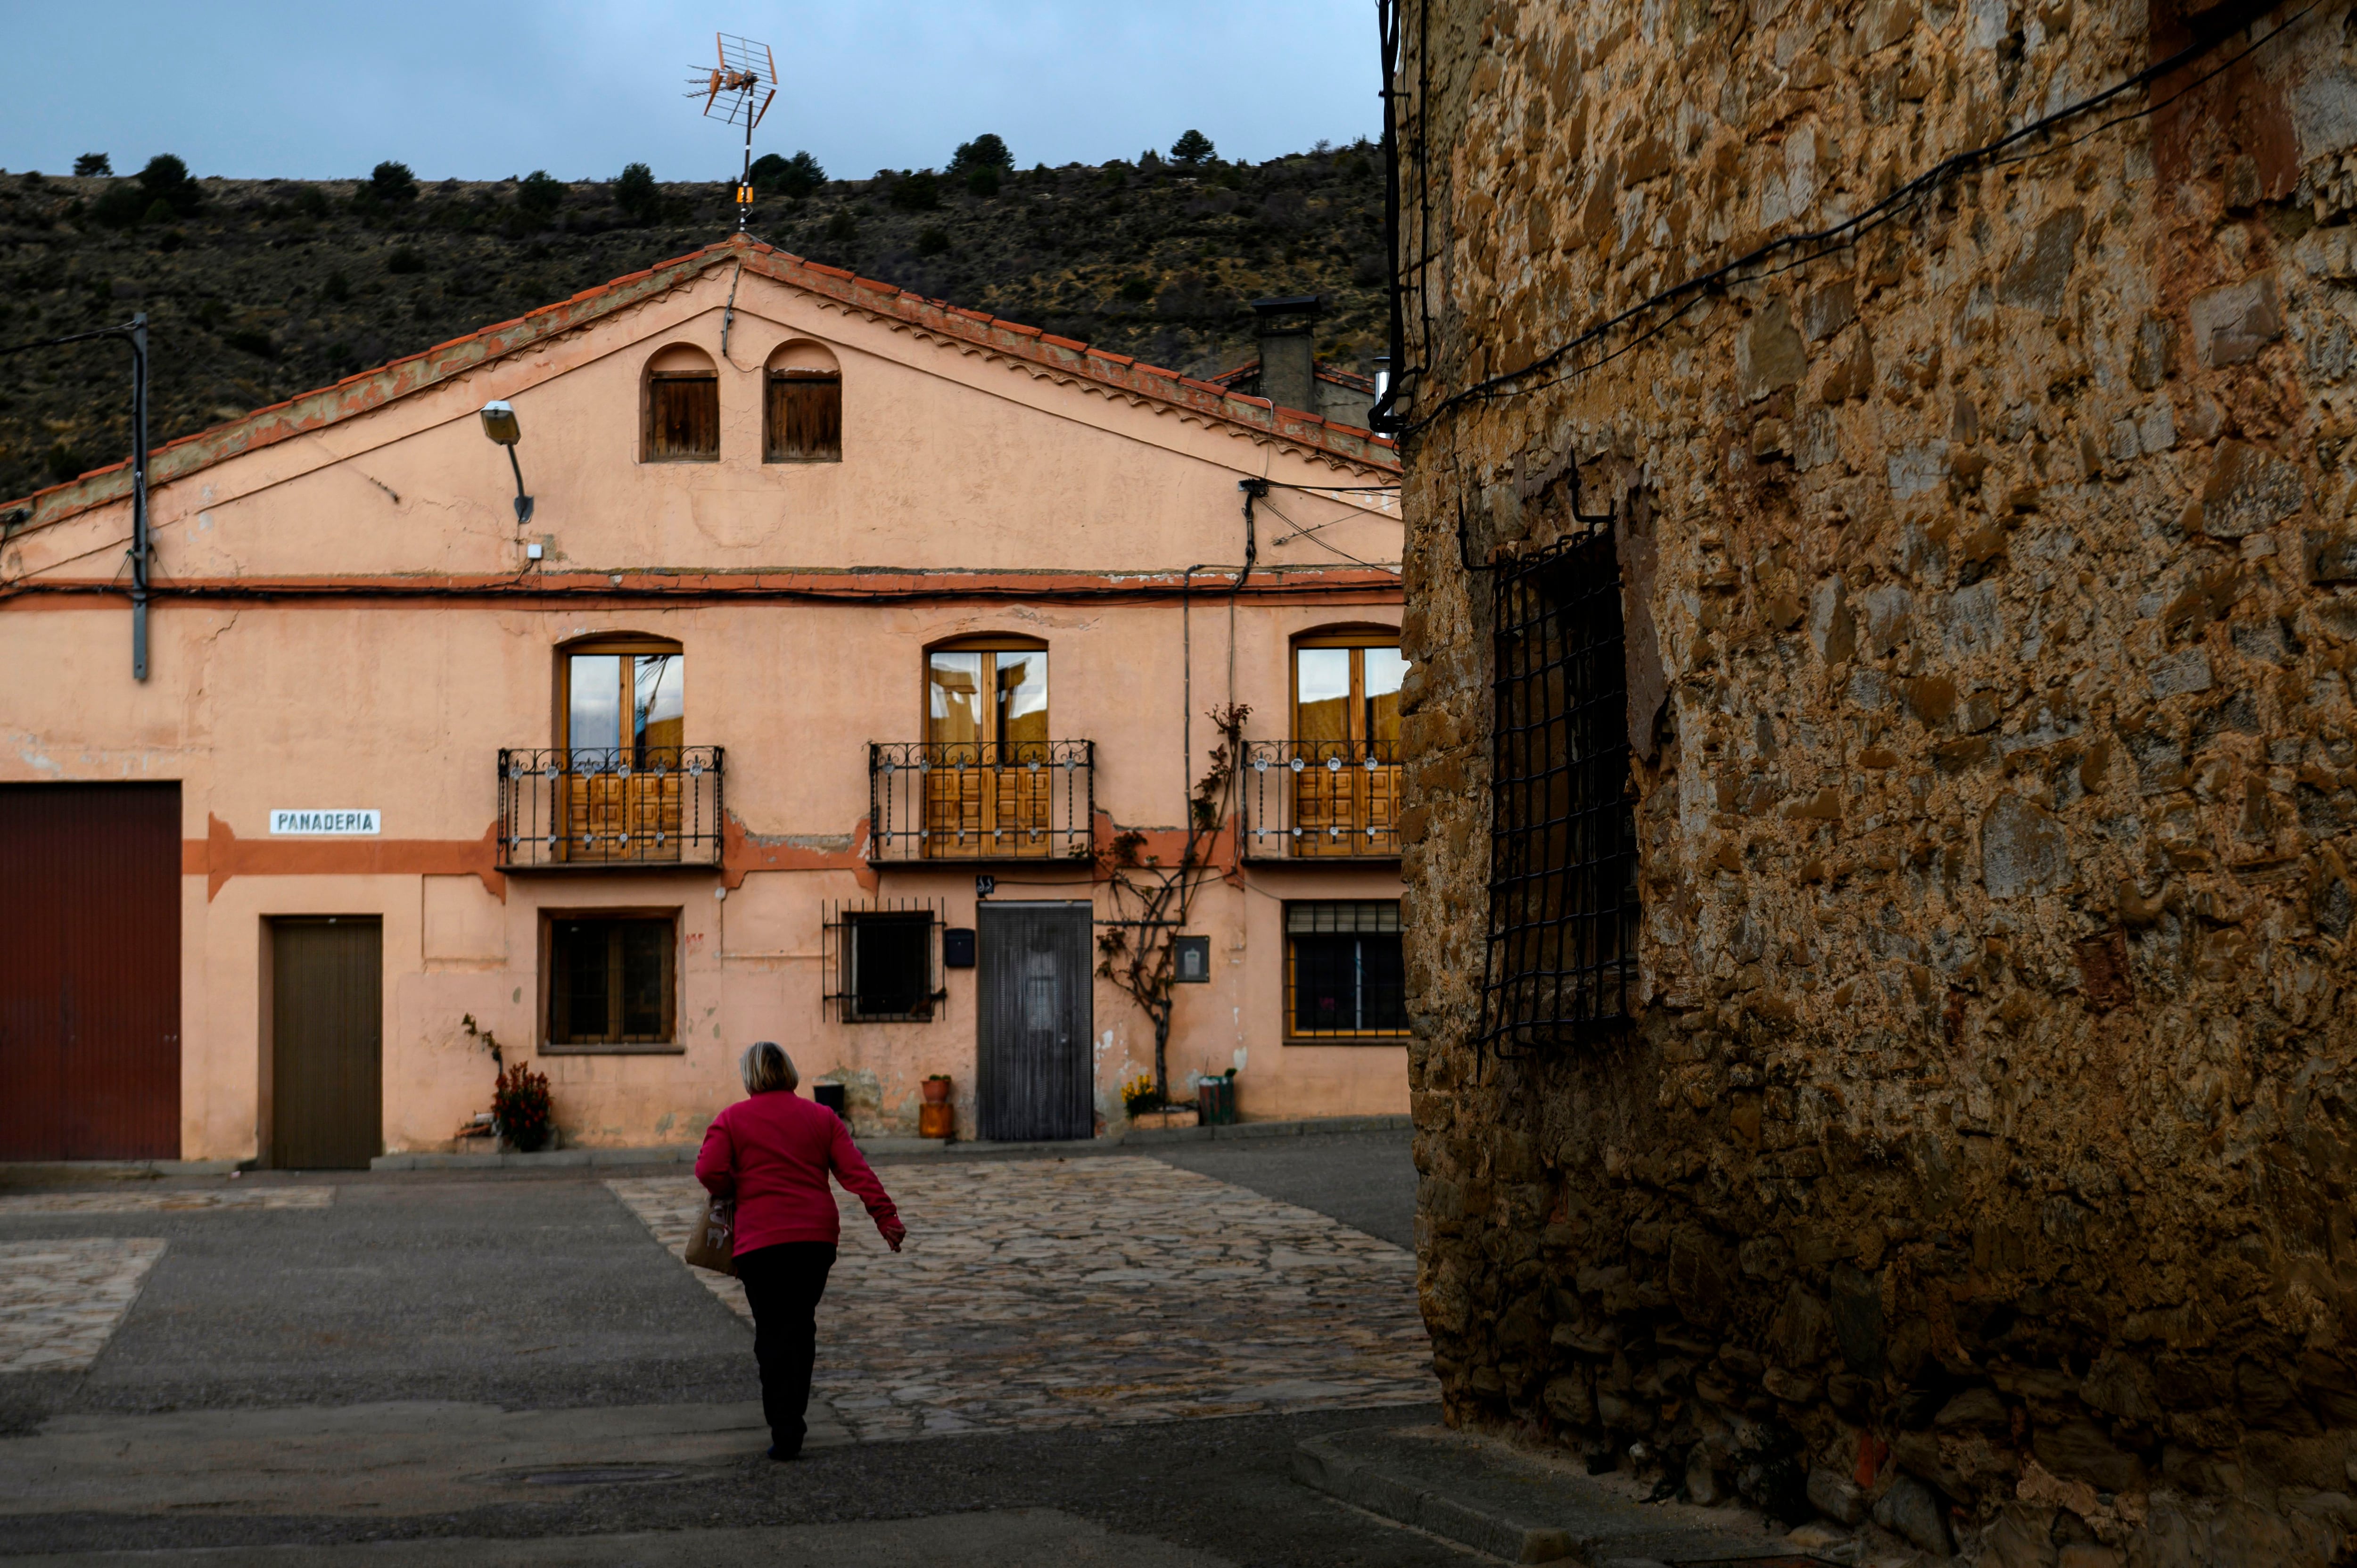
{"x": 782, "y": 1285}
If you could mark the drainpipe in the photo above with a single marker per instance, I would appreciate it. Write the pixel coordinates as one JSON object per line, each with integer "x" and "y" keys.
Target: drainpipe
{"x": 140, "y": 547}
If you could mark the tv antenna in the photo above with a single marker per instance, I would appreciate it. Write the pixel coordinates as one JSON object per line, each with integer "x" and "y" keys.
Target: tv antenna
{"x": 738, "y": 91}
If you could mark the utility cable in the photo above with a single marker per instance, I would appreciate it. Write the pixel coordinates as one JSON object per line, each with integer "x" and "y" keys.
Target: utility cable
{"x": 1819, "y": 241}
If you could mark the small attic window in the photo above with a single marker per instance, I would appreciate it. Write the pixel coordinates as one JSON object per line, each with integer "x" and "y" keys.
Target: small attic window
{"x": 802, "y": 416}
{"x": 682, "y": 407}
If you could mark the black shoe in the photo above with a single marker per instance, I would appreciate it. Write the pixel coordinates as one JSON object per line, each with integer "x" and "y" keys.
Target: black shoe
{"x": 782, "y": 1452}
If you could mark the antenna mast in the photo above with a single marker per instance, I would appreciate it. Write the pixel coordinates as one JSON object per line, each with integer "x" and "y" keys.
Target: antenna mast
{"x": 738, "y": 91}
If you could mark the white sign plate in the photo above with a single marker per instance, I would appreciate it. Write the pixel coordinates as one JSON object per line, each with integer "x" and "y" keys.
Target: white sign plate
{"x": 352, "y": 823}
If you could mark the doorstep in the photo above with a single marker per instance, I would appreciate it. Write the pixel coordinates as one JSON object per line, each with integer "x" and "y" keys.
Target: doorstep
{"x": 1524, "y": 1507}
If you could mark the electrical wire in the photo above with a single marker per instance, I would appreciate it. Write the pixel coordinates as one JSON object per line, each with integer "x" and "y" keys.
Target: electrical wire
{"x": 1821, "y": 242}
{"x": 1311, "y": 535}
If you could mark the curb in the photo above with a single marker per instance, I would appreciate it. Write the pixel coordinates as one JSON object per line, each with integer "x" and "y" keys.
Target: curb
{"x": 684, "y": 1153}
{"x": 1524, "y": 1507}
{"x": 555, "y": 1159}
{"x": 123, "y": 1167}
{"x": 1321, "y": 1466}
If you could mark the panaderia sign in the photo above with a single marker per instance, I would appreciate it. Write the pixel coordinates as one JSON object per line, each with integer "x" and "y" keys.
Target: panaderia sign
{"x": 357, "y": 822}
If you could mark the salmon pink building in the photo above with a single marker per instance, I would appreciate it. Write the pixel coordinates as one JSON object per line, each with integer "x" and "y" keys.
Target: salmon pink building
{"x": 739, "y": 651}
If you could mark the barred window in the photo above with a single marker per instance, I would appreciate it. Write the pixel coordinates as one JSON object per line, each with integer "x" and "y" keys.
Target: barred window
{"x": 1562, "y": 860}
{"x": 885, "y": 963}
{"x": 1344, "y": 977}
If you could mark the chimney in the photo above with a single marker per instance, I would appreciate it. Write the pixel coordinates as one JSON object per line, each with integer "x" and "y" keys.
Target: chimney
{"x": 1288, "y": 366}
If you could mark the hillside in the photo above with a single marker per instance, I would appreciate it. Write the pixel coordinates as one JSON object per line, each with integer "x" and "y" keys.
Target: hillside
{"x": 257, "y": 290}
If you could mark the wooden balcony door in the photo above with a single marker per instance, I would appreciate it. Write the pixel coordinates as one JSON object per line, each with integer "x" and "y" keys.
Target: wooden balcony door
{"x": 1346, "y": 715}
{"x": 990, "y": 784}
{"x": 625, "y": 712}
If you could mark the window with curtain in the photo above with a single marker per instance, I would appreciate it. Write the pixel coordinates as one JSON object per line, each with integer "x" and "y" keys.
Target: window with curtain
{"x": 1346, "y": 746}
{"x": 1348, "y": 693}
{"x": 622, "y": 703}
{"x": 994, "y": 697}
{"x": 625, "y": 707}
{"x": 990, "y": 788}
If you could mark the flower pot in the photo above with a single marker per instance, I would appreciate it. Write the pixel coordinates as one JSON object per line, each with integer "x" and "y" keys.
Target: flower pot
{"x": 936, "y": 1090}
{"x": 936, "y": 1120}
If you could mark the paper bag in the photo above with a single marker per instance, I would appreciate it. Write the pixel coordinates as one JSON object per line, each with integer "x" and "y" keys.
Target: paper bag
{"x": 711, "y": 1244}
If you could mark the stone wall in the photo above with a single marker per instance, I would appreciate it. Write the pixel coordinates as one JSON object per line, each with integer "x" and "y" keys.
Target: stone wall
{"x": 1981, "y": 1156}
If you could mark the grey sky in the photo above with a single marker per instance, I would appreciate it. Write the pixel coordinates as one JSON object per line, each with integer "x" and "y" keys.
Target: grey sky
{"x": 479, "y": 89}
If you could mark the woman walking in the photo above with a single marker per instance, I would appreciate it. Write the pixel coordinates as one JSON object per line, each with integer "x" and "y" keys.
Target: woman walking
{"x": 773, "y": 1153}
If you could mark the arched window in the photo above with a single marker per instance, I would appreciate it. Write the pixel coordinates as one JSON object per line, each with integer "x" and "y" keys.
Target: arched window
{"x": 682, "y": 407}
{"x": 1346, "y": 689}
{"x": 801, "y": 416}
{"x": 623, "y": 704}
{"x": 1345, "y": 752}
{"x": 990, "y": 790}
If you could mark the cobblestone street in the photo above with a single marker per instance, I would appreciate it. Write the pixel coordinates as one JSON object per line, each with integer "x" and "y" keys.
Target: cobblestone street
{"x": 1104, "y": 1356}
{"x": 1082, "y": 1292}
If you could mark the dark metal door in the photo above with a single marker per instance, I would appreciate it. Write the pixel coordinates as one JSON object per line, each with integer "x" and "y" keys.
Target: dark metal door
{"x": 1032, "y": 984}
{"x": 326, "y": 1106}
{"x": 90, "y": 971}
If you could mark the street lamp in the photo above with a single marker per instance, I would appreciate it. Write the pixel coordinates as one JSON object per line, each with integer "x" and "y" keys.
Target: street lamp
{"x": 500, "y": 425}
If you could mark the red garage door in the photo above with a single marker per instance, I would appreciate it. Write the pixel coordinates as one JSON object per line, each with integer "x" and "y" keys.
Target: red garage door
{"x": 90, "y": 971}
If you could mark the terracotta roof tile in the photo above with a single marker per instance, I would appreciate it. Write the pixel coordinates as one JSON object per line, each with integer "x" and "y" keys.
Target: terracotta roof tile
{"x": 1073, "y": 344}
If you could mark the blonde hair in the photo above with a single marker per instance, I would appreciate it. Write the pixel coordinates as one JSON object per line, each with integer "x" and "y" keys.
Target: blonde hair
{"x": 767, "y": 1068}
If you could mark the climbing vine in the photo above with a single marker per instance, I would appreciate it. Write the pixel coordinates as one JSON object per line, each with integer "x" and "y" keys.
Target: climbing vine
{"x": 1137, "y": 950}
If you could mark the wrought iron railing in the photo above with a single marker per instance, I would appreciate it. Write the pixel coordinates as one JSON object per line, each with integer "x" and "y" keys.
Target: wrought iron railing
{"x": 1321, "y": 799}
{"x": 639, "y": 806}
{"x": 981, "y": 800}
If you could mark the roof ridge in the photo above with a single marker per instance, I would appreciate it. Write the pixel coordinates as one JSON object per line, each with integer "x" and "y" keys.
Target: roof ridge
{"x": 430, "y": 367}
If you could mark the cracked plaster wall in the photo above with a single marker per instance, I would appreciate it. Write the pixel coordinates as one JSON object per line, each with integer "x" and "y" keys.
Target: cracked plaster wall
{"x": 1981, "y": 1156}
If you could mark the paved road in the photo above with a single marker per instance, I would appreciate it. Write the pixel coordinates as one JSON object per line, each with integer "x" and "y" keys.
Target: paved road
{"x": 275, "y": 1385}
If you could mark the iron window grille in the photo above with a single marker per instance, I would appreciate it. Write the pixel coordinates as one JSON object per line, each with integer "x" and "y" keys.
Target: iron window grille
{"x": 589, "y": 809}
{"x": 884, "y": 961}
{"x": 1344, "y": 974}
{"x": 1563, "y": 846}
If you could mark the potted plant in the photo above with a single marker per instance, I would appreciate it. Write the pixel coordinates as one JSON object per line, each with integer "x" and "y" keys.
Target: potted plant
{"x": 1147, "y": 1109}
{"x": 519, "y": 1108}
{"x": 936, "y": 1118}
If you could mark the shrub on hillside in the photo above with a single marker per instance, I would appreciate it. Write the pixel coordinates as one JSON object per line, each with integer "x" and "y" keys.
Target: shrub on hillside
{"x": 636, "y": 195}
{"x": 91, "y": 165}
{"x": 932, "y": 240}
{"x": 541, "y": 193}
{"x": 796, "y": 177}
{"x": 917, "y": 192}
{"x": 391, "y": 181}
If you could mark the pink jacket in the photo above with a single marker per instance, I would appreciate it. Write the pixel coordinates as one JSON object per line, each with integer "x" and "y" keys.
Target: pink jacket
{"x": 773, "y": 1153}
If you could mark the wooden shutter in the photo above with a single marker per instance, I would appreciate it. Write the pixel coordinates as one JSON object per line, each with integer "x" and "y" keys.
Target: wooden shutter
{"x": 682, "y": 419}
{"x": 805, "y": 417}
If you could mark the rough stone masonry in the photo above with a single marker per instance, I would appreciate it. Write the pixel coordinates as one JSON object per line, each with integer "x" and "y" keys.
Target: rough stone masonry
{"x": 1980, "y": 1155}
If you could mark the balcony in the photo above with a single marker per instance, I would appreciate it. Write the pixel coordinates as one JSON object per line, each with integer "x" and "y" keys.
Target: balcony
{"x": 642, "y": 807}
{"x": 1322, "y": 801}
{"x": 980, "y": 800}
